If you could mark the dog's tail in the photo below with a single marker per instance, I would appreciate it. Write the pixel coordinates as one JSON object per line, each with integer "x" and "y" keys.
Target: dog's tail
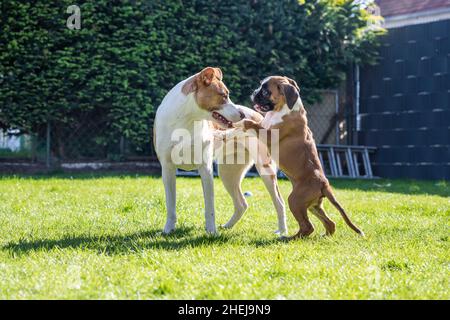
{"x": 327, "y": 192}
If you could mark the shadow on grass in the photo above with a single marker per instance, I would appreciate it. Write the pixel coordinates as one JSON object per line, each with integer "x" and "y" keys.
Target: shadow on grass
{"x": 270, "y": 242}
{"x": 120, "y": 244}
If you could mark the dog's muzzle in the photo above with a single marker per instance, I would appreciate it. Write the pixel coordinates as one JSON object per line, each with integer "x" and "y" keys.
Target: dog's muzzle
{"x": 227, "y": 115}
{"x": 261, "y": 104}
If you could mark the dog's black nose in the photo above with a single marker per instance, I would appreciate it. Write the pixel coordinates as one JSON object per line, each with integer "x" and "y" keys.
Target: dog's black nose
{"x": 242, "y": 114}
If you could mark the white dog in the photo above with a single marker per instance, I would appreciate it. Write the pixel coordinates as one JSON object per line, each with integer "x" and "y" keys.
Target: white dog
{"x": 186, "y": 110}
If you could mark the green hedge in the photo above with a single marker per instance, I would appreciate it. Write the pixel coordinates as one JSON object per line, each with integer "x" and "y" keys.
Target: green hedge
{"x": 117, "y": 68}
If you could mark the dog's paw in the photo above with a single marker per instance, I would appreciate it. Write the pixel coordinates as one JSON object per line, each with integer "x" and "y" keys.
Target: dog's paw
{"x": 239, "y": 125}
{"x": 211, "y": 230}
{"x": 245, "y": 124}
{"x": 226, "y": 226}
{"x": 212, "y": 233}
{"x": 249, "y": 124}
{"x": 169, "y": 228}
{"x": 281, "y": 233}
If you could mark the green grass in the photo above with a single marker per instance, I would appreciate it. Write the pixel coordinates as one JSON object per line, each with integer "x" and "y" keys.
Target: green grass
{"x": 98, "y": 237}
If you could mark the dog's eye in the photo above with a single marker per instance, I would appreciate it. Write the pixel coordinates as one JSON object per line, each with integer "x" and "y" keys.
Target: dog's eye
{"x": 265, "y": 92}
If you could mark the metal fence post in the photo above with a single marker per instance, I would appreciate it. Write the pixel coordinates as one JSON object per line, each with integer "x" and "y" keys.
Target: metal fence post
{"x": 122, "y": 147}
{"x": 33, "y": 148}
{"x": 336, "y": 97}
{"x": 48, "y": 153}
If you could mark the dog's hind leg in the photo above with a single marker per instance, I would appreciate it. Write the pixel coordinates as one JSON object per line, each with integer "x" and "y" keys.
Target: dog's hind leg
{"x": 169, "y": 180}
{"x": 270, "y": 181}
{"x": 299, "y": 207}
{"x": 231, "y": 176}
{"x": 306, "y": 227}
{"x": 320, "y": 213}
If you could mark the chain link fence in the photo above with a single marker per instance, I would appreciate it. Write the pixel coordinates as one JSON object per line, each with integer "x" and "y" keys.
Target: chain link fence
{"x": 323, "y": 118}
{"x": 92, "y": 144}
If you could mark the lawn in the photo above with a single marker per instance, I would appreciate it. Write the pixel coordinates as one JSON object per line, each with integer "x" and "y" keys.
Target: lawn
{"x": 98, "y": 237}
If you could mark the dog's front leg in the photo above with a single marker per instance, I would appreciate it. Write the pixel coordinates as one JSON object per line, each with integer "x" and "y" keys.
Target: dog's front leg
{"x": 169, "y": 180}
{"x": 206, "y": 174}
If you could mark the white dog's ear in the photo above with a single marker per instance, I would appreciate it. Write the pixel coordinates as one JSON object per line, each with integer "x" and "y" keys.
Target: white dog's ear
{"x": 219, "y": 73}
{"x": 189, "y": 86}
{"x": 208, "y": 74}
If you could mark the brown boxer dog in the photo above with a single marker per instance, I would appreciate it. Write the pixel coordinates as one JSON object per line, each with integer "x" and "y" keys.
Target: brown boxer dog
{"x": 279, "y": 99}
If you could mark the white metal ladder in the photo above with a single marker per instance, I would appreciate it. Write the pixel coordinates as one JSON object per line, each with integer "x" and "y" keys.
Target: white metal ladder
{"x": 346, "y": 161}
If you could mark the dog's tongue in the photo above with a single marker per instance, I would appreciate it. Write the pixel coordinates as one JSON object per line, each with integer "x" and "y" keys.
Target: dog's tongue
{"x": 259, "y": 108}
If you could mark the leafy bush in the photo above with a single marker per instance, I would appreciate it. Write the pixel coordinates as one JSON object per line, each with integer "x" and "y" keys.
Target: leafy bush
{"x": 128, "y": 54}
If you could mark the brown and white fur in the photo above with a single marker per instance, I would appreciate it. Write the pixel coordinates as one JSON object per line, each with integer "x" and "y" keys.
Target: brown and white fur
{"x": 279, "y": 98}
{"x": 191, "y": 104}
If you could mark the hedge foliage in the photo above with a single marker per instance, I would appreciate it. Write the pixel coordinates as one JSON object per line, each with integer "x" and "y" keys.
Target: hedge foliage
{"x": 128, "y": 54}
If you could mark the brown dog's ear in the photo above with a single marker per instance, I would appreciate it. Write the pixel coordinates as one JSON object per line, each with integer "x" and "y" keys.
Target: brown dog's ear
{"x": 292, "y": 82}
{"x": 208, "y": 74}
{"x": 290, "y": 93}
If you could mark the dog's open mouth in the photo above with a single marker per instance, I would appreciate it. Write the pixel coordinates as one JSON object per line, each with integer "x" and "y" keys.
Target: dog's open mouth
{"x": 222, "y": 120}
{"x": 262, "y": 109}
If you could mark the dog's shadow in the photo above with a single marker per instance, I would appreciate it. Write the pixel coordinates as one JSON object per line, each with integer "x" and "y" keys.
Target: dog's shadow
{"x": 120, "y": 244}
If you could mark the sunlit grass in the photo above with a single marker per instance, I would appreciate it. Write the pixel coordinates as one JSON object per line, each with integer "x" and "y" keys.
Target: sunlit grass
{"x": 99, "y": 238}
